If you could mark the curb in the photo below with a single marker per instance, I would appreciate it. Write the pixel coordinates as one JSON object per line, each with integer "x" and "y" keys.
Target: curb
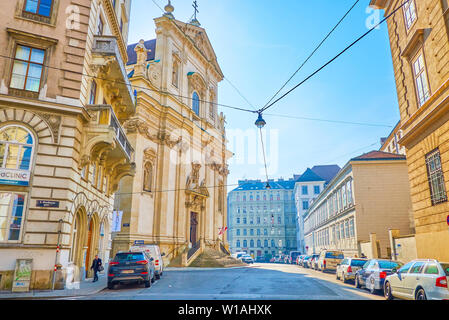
{"x": 202, "y": 269}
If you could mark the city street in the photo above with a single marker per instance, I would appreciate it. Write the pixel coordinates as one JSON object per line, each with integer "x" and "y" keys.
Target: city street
{"x": 256, "y": 282}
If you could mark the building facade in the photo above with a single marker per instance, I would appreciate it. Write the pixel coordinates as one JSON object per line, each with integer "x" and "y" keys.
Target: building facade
{"x": 262, "y": 221}
{"x": 177, "y": 197}
{"x": 369, "y": 195}
{"x": 64, "y": 96}
{"x": 307, "y": 187}
{"x": 419, "y": 40}
{"x": 390, "y": 144}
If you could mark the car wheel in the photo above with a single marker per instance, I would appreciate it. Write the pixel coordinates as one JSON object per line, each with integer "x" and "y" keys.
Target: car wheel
{"x": 357, "y": 283}
{"x": 421, "y": 295}
{"x": 336, "y": 276}
{"x": 111, "y": 286}
{"x": 344, "y": 278}
{"x": 158, "y": 276}
{"x": 153, "y": 279}
{"x": 148, "y": 284}
{"x": 387, "y": 291}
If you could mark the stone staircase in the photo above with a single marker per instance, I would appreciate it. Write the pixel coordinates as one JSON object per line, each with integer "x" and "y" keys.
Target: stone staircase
{"x": 211, "y": 258}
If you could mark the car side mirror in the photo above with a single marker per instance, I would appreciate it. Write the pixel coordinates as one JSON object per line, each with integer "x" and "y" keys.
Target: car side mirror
{"x": 339, "y": 264}
{"x": 151, "y": 259}
{"x": 394, "y": 270}
{"x": 163, "y": 254}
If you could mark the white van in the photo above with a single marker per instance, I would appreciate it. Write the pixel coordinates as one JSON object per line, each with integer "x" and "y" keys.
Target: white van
{"x": 154, "y": 251}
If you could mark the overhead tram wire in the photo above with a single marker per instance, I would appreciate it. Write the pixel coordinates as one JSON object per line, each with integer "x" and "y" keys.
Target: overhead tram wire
{"x": 313, "y": 52}
{"x": 333, "y": 59}
{"x": 328, "y": 120}
{"x": 174, "y": 190}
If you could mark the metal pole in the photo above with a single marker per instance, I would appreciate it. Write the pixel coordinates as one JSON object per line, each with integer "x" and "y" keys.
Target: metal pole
{"x": 57, "y": 255}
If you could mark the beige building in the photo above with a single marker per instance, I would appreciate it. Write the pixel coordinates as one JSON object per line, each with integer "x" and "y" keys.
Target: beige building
{"x": 63, "y": 100}
{"x": 419, "y": 40}
{"x": 370, "y": 195}
{"x": 177, "y": 197}
{"x": 390, "y": 144}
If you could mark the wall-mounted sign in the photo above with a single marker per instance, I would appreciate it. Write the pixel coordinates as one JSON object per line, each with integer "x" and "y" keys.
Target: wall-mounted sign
{"x": 22, "y": 275}
{"x": 139, "y": 242}
{"x": 47, "y": 204}
{"x": 126, "y": 224}
{"x": 14, "y": 177}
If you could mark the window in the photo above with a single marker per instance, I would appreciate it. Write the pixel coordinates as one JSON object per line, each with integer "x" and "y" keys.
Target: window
{"x": 417, "y": 267}
{"x": 11, "y": 214}
{"x": 238, "y": 220}
{"x": 244, "y": 221}
{"x": 349, "y": 190}
{"x": 196, "y": 108}
{"x": 304, "y": 190}
{"x": 419, "y": 72}
{"x": 100, "y": 26}
{"x": 343, "y": 192}
{"x": 431, "y": 269}
{"x": 16, "y": 148}
{"x": 93, "y": 93}
{"x": 279, "y": 220}
{"x": 316, "y": 189}
{"x": 342, "y": 230}
{"x": 351, "y": 228}
{"x": 258, "y": 232}
{"x": 346, "y": 229}
{"x": 245, "y": 232}
{"x": 265, "y": 243}
{"x": 258, "y": 220}
{"x": 238, "y": 232}
{"x": 238, "y": 244}
{"x": 94, "y": 173}
{"x": 409, "y": 13}
{"x": 272, "y": 244}
{"x": 436, "y": 178}
{"x": 251, "y": 243}
{"x": 175, "y": 74}
{"x": 265, "y": 232}
{"x": 27, "y": 68}
{"x": 251, "y": 232}
{"x": 245, "y": 243}
{"x": 259, "y": 243}
{"x": 305, "y": 205}
{"x": 39, "y": 7}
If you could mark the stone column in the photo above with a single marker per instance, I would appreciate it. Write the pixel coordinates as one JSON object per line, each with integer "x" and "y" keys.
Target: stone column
{"x": 373, "y": 242}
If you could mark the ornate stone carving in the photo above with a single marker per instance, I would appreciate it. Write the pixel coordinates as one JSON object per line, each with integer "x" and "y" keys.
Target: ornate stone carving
{"x": 149, "y": 154}
{"x": 54, "y": 122}
{"x": 154, "y": 73}
{"x": 193, "y": 179}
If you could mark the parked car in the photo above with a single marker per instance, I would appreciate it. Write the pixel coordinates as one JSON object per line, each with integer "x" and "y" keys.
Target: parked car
{"x": 277, "y": 259}
{"x": 154, "y": 252}
{"x": 419, "y": 280}
{"x": 299, "y": 259}
{"x": 329, "y": 259}
{"x": 305, "y": 261}
{"x": 260, "y": 259}
{"x": 272, "y": 260}
{"x": 313, "y": 262}
{"x": 347, "y": 269}
{"x": 247, "y": 259}
{"x": 373, "y": 273}
{"x": 294, "y": 255}
{"x": 129, "y": 267}
{"x": 239, "y": 255}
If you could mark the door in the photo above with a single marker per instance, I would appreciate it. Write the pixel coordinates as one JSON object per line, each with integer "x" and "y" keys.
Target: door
{"x": 412, "y": 278}
{"x": 397, "y": 280}
{"x": 89, "y": 243}
{"x": 193, "y": 228}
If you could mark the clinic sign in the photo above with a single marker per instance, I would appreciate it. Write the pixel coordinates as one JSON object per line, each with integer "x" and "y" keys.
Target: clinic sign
{"x": 14, "y": 177}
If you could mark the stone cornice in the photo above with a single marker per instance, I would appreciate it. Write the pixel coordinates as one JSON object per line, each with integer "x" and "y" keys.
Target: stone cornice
{"x": 116, "y": 28}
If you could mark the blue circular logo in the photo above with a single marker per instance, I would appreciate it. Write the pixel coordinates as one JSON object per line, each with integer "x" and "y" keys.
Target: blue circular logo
{"x": 447, "y": 220}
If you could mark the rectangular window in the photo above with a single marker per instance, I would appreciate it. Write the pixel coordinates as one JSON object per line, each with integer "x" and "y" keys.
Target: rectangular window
{"x": 11, "y": 215}
{"x": 342, "y": 230}
{"x": 304, "y": 190}
{"x": 346, "y": 229}
{"x": 39, "y": 7}
{"x": 419, "y": 72}
{"x": 349, "y": 190}
{"x": 343, "y": 192}
{"x": 93, "y": 93}
{"x": 316, "y": 189}
{"x": 27, "y": 68}
{"x": 351, "y": 228}
{"x": 305, "y": 205}
{"x": 436, "y": 177}
{"x": 409, "y": 13}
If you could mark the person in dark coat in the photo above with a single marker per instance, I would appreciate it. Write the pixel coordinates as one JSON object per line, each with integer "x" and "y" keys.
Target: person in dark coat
{"x": 95, "y": 266}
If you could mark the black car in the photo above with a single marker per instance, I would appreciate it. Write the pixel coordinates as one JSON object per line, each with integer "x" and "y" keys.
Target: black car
{"x": 129, "y": 267}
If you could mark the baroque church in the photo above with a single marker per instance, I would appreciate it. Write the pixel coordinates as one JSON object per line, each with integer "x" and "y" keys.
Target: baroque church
{"x": 177, "y": 197}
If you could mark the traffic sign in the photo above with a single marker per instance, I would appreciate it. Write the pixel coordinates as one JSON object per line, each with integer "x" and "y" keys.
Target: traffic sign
{"x": 139, "y": 242}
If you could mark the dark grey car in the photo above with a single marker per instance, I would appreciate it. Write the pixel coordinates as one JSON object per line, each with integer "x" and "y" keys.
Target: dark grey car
{"x": 129, "y": 267}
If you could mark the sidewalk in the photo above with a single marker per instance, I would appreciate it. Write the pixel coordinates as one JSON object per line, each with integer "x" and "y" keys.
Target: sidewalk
{"x": 86, "y": 287}
{"x": 203, "y": 269}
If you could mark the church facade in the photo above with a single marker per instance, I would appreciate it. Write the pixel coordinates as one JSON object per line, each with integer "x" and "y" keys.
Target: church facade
{"x": 177, "y": 197}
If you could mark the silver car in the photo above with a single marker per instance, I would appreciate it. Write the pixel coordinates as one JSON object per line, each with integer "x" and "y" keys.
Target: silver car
{"x": 419, "y": 280}
{"x": 348, "y": 267}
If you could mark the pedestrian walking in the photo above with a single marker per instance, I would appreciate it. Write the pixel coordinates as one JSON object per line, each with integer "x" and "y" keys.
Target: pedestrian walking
{"x": 97, "y": 265}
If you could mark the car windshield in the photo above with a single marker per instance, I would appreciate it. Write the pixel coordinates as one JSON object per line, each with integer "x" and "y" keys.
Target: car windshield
{"x": 445, "y": 267}
{"x": 334, "y": 255}
{"x": 388, "y": 264}
{"x": 130, "y": 256}
{"x": 357, "y": 263}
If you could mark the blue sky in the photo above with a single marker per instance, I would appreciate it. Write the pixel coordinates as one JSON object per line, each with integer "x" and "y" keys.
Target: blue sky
{"x": 260, "y": 43}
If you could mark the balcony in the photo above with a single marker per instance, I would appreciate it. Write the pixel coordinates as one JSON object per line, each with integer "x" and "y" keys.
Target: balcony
{"x": 108, "y": 63}
{"x": 105, "y": 125}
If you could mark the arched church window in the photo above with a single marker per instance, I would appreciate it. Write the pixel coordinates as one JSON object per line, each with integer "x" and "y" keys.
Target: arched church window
{"x": 148, "y": 177}
{"x": 16, "y": 148}
{"x": 196, "y": 103}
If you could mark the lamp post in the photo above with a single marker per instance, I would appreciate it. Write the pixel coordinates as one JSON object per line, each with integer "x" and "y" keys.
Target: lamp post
{"x": 57, "y": 266}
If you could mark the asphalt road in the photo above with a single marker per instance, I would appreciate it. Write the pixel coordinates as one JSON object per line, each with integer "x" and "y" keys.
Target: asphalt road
{"x": 256, "y": 282}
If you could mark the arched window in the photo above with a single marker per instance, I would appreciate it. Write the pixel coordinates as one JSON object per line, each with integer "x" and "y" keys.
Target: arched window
{"x": 196, "y": 103}
{"x": 16, "y": 148}
{"x": 148, "y": 177}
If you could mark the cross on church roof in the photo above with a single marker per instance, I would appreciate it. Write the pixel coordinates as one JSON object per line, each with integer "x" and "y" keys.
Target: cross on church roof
{"x": 195, "y": 6}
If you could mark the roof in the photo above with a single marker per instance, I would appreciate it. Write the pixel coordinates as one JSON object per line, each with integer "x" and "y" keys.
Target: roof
{"x": 132, "y": 55}
{"x": 378, "y": 155}
{"x": 309, "y": 175}
{"x": 327, "y": 172}
{"x": 258, "y": 185}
